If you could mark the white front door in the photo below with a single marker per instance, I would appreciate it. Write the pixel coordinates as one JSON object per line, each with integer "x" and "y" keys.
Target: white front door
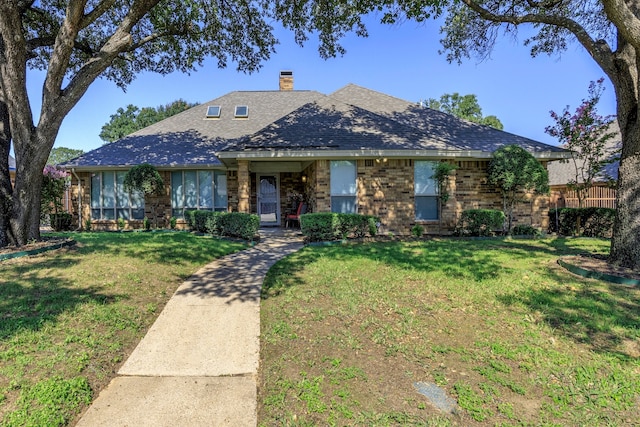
{"x": 269, "y": 199}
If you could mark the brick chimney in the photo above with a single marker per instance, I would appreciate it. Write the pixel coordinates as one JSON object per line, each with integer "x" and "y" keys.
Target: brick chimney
{"x": 286, "y": 80}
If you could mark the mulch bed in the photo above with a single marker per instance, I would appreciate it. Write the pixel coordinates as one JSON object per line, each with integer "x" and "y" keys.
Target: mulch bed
{"x": 600, "y": 265}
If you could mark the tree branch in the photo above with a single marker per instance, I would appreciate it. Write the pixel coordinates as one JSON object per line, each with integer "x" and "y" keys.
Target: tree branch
{"x": 97, "y": 12}
{"x": 599, "y": 50}
{"x": 625, "y": 19}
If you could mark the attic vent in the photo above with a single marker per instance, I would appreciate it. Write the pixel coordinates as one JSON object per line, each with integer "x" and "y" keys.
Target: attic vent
{"x": 213, "y": 112}
{"x": 242, "y": 112}
{"x": 368, "y": 163}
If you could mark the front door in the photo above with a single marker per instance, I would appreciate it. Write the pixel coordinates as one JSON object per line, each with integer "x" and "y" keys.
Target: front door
{"x": 269, "y": 199}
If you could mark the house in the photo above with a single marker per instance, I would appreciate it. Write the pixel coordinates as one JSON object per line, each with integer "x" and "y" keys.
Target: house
{"x": 603, "y": 192}
{"x": 355, "y": 150}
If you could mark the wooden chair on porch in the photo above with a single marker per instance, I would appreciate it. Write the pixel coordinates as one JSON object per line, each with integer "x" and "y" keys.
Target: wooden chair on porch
{"x": 295, "y": 217}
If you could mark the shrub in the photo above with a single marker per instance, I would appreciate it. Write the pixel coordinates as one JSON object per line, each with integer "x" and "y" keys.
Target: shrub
{"x": 200, "y": 220}
{"x": 233, "y": 224}
{"x": 121, "y": 223}
{"x": 87, "y": 224}
{"x": 173, "y": 222}
{"x": 594, "y": 222}
{"x": 417, "y": 230}
{"x": 60, "y": 221}
{"x": 479, "y": 222}
{"x": 331, "y": 226}
{"x": 146, "y": 223}
{"x": 525, "y": 230}
{"x": 238, "y": 224}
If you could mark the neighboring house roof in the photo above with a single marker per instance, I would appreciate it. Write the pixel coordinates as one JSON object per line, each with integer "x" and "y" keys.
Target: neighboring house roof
{"x": 12, "y": 163}
{"x": 296, "y": 124}
{"x": 561, "y": 173}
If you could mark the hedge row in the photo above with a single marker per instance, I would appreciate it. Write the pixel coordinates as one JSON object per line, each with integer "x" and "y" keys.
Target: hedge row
{"x": 233, "y": 224}
{"x": 594, "y": 222}
{"x": 319, "y": 227}
{"x": 480, "y": 222}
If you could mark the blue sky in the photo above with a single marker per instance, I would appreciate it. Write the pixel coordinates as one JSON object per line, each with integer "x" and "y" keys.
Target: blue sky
{"x": 400, "y": 60}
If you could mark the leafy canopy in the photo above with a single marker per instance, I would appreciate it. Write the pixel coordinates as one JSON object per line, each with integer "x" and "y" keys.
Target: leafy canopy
{"x": 465, "y": 107}
{"x": 515, "y": 171}
{"x": 125, "y": 122}
{"x": 60, "y": 155}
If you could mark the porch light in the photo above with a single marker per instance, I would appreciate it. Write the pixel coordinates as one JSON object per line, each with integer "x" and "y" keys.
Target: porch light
{"x": 304, "y": 178}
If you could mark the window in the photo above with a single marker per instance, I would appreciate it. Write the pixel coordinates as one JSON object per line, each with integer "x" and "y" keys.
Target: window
{"x": 426, "y": 191}
{"x": 203, "y": 190}
{"x": 213, "y": 112}
{"x": 242, "y": 112}
{"x": 109, "y": 199}
{"x": 343, "y": 186}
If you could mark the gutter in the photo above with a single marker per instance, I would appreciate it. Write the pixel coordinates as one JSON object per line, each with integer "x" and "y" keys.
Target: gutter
{"x": 73, "y": 171}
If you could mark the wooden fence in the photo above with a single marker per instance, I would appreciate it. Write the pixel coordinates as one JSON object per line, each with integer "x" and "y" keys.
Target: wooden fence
{"x": 600, "y": 196}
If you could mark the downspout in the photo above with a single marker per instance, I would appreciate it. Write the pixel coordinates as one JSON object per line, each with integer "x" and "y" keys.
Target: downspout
{"x": 73, "y": 171}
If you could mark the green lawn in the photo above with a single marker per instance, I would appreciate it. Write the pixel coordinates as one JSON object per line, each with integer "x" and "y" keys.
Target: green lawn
{"x": 69, "y": 318}
{"x": 347, "y": 330}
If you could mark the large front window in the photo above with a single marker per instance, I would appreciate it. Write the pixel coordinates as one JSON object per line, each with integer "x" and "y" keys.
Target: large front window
{"x": 343, "y": 186}
{"x": 426, "y": 191}
{"x": 109, "y": 200}
{"x": 198, "y": 190}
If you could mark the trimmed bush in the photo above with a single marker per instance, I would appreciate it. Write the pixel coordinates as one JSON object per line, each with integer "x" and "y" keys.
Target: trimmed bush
{"x": 480, "y": 222}
{"x": 594, "y": 222}
{"x": 238, "y": 224}
{"x": 232, "y": 224}
{"x": 60, "y": 221}
{"x": 525, "y": 230}
{"x": 327, "y": 226}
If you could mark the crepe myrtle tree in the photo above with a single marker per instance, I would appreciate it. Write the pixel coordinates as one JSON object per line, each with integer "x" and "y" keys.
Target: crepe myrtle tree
{"x": 588, "y": 135}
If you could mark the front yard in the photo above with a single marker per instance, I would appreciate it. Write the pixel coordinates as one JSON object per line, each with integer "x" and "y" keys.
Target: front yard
{"x": 348, "y": 331}
{"x": 69, "y": 318}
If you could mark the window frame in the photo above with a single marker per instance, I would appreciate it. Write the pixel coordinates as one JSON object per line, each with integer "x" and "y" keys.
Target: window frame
{"x": 429, "y": 193}
{"x": 177, "y": 190}
{"x": 214, "y": 115}
{"x": 336, "y": 195}
{"x": 133, "y": 204}
{"x": 244, "y": 115}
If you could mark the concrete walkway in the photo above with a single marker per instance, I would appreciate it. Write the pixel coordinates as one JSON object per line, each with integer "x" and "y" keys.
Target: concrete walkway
{"x": 197, "y": 365}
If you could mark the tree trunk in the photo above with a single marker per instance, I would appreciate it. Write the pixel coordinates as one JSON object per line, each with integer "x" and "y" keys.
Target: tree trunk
{"x": 625, "y": 243}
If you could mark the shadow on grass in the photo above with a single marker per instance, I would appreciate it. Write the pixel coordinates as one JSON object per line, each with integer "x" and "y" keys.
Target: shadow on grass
{"x": 594, "y": 313}
{"x": 36, "y": 298}
{"x": 175, "y": 248}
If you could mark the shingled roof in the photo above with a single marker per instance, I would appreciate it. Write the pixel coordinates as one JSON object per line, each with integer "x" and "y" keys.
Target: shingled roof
{"x": 280, "y": 124}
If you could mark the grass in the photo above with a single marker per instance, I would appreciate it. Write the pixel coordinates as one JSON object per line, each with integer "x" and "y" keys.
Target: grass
{"x": 69, "y": 318}
{"x": 514, "y": 338}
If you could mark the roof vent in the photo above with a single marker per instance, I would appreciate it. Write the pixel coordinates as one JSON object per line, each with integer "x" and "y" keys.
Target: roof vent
{"x": 286, "y": 80}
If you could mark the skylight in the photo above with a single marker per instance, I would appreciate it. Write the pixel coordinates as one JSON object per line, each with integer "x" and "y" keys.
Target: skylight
{"x": 242, "y": 112}
{"x": 213, "y": 112}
